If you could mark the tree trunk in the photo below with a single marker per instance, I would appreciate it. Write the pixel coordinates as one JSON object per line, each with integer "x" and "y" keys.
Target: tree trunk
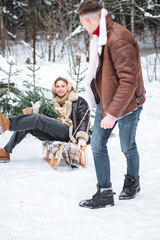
{"x": 54, "y": 47}
{"x": 34, "y": 46}
{"x": 132, "y": 18}
{"x": 123, "y": 20}
{"x": 87, "y": 42}
{"x": 2, "y": 32}
{"x": 156, "y": 51}
{"x": 26, "y": 36}
{"x": 49, "y": 48}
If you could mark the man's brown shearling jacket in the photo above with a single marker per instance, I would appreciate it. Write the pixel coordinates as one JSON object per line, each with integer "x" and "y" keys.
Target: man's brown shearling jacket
{"x": 119, "y": 83}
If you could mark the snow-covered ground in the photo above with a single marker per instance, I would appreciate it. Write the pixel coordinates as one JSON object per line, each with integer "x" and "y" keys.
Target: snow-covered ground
{"x": 41, "y": 203}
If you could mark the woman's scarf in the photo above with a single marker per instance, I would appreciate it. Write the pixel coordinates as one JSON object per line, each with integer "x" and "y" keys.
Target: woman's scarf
{"x": 62, "y": 100}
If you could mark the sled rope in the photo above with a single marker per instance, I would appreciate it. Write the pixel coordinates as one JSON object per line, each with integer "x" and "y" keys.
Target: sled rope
{"x": 66, "y": 148}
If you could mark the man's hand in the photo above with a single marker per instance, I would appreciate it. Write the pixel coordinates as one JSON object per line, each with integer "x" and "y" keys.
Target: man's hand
{"x": 108, "y": 122}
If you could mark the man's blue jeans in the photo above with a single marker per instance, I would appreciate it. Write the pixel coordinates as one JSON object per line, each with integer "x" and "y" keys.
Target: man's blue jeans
{"x": 127, "y": 132}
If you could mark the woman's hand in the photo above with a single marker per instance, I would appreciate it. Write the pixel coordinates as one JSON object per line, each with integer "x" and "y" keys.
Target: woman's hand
{"x": 81, "y": 142}
{"x": 36, "y": 106}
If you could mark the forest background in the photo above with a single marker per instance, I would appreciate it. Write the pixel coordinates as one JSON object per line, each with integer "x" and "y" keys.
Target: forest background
{"x": 39, "y": 41}
{"x": 51, "y": 31}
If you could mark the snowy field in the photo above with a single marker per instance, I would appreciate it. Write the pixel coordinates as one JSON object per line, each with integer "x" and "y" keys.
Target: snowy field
{"x": 41, "y": 203}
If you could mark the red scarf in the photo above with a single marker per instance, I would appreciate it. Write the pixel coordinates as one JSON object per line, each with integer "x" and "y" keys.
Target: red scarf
{"x": 96, "y": 31}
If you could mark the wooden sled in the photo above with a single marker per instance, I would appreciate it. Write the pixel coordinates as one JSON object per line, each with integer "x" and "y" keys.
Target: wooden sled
{"x": 54, "y": 158}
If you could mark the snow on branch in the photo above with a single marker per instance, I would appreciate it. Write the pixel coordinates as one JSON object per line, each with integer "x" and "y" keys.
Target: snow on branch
{"x": 23, "y": 42}
{"x": 78, "y": 30}
{"x": 147, "y": 14}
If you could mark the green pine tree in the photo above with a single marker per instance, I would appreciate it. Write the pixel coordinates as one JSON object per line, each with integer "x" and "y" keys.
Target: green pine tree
{"x": 9, "y": 92}
{"x": 33, "y": 93}
{"x": 48, "y": 109}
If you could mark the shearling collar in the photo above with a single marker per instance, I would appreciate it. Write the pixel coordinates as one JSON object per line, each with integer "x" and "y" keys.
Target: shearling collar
{"x": 73, "y": 96}
{"x": 109, "y": 22}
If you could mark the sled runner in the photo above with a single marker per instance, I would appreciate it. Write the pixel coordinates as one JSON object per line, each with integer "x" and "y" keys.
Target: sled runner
{"x": 69, "y": 152}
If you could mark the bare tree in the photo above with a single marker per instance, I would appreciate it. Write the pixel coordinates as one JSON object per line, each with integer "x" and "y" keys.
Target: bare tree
{"x": 2, "y": 31}
{"x": 132, "y": 16}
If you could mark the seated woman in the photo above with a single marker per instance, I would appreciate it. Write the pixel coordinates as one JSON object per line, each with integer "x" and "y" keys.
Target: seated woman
{"x": 72, "y": 108}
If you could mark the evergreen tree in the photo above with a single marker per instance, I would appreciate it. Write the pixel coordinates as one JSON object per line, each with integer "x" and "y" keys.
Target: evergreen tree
{"x": 9, "y": 93}
{"x": 77, "y": 75}
{"x": 48, "y": 109}
{"x": 33, "y": 93}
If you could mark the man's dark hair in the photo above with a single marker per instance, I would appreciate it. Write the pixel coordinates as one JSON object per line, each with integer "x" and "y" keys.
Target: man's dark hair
{"x": 89, "y": 6}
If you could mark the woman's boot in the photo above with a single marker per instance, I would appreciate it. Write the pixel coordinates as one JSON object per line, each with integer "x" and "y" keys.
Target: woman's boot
{"x": 4, "y": 156}
{"x": 4, "y": 123}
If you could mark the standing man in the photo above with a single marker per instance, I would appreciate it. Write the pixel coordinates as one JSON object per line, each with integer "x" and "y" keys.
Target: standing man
{"x": 114, "y": 85}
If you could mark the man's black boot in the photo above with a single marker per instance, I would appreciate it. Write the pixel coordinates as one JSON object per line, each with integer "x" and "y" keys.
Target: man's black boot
{"x": 99, "y": 200}
{"x": 130, "y": 189}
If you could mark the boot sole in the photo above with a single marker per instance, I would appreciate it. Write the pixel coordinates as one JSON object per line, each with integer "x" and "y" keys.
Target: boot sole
{"x": 4, "y": 160}
{"x": 102, "y": 206}
{"x": 128, "y": 198}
